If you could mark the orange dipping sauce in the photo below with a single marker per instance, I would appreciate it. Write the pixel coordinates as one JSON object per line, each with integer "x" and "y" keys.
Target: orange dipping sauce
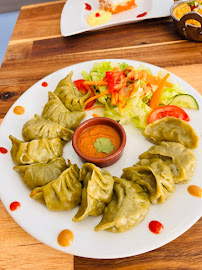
{"x": 195, "y": 191}
{"x": 91, "y": 134}
{"x": 65, "y": 238}
{"x": 18, "y": 110}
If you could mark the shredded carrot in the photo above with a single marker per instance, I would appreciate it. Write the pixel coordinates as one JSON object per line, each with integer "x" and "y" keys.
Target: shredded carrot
{"x": 94, "y": 107}
{"x": 96, "y": 97}
{"x": 157, "y": 95}
{"x": 113, "y": 98}
{"x": 95, "y": 83}
{"x": 95, "y": 115}
{"x": 154, "y": 80}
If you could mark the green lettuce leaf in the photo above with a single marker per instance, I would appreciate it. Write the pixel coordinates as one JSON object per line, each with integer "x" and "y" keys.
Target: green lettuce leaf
{"x": 136, "y": 111}
{"x": 169, "y": 93}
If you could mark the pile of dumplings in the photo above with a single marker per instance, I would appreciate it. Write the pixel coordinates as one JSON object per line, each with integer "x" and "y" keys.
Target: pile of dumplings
{"x": 124, "y": 202}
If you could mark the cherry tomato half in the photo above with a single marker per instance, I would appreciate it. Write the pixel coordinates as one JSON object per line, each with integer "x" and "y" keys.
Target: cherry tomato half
{"x": 168, "y": 110}
{"x": 84, "y": 89}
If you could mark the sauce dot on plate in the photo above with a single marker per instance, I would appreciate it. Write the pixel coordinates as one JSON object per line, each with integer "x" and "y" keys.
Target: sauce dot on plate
{"x": 195, "y": 191}
{"x": 65, "y": 238}
{"x": 14, "y": 206}
{"x": 3, "y": 150}
{"x": 18, "y": 110}
{"x": 44, "y": 84}
{"x": 87, "y": 6}
{"x": 142, "y": 15}
{"x": 155, "y": 227}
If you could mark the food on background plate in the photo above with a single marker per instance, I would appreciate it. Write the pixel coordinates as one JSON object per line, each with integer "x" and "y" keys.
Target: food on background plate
{"x": 70, "y": 96}
{"x": 184, "y": 8}
{"x": 181, "y": 160}
{"x": 38, "y": 128}
{"x": 154, "y": 176}
{"x": 99, "y": 141}
{"x": 130, "y": 94}
{"x": 42, "y": 150}
{"x": 128, "y": 207}
{"x": 97, "y": 191}
{"x": 63, "y": 193}
{"x": 98, "y": 17}
{"x": 40, "y": 174}
{"x": 55, "y": 111}
{"x": 171, "y": 129}
{"x": 116, "y": 6}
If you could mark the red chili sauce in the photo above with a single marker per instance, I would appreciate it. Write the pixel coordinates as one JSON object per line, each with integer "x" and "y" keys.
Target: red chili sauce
{"x": 44, "y": 84}
{"x": 14, "y": 206}
{"x": 3, "y": 150}
{"x": 87, "y": 6}
{"x": 156, "y": 227}
{"x": 142, "y": 15}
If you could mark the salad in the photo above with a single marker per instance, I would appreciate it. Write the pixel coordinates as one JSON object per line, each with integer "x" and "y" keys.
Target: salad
{"x": 128, "y": 94}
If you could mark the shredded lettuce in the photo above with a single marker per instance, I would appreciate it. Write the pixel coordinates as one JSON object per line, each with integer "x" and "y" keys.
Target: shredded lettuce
{"x": 136, "y": 111}
{"x": 169, "y": 93}
{"x": 142, "y": 67}
{"x": 99, "y": 70}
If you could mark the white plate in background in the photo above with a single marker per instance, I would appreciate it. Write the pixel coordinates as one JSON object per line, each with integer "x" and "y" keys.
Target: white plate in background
{"x": 74, "y": 15}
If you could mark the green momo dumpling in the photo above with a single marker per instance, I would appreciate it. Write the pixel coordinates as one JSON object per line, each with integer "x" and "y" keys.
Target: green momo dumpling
{"x": 38, "y": 128}
{"x": 69, "y": 94}
{"x": 63, "y": 193}
{"x": 40, "y": 174}
{"x": 171, "y": 129}
{"x": 128, "y": 207}
{"x": 97, "y": 190}
{"x": 154, "y": 176}
{"x": 55, "y": 111}
{"x": 181, "y": 160}
{"x": 42, "y": 150}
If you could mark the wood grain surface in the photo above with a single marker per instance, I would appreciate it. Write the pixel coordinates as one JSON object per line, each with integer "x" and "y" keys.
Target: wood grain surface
{"x": 35, "y": 50}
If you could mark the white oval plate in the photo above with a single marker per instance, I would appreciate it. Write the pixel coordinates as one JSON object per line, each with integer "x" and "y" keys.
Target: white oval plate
{"x": 177, "y": 214}
{"x": 74, "y": 15}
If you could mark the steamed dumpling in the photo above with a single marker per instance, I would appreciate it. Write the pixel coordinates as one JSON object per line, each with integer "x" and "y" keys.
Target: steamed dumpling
{"x": 42, "y": 150}
{"x": 63, "y": 193}
{"x": 38, "y": 128}
{"x": 154, "y": 176}
{"x": 129, "y": 206}
{"x": 97, "y": 190}
{"x": 172, "y": 130}
{"x": 181, "y": 160}
{"x": 40, "y": 174}
{"x": 69, "y": 94}
{"x": 55, "y": 111}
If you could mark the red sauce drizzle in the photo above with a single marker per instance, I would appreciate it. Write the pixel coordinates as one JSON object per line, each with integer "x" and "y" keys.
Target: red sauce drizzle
{"x": 155, "y": 227}
{"x": 14, "y": 206}
{"x": 142, "y": 15}
{"x": 44, "y": 84}
{"x": 195, "y": 191}
{"x": 97, "y": 14}
{"x": 3, "y": 150}
{"x": 88, "y": 7}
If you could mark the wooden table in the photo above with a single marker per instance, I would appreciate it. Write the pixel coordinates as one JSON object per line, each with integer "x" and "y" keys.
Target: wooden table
{"x": 37, "y": 49}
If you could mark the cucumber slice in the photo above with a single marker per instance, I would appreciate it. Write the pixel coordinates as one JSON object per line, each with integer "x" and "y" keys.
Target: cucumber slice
{"x": 185, "y": 101}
